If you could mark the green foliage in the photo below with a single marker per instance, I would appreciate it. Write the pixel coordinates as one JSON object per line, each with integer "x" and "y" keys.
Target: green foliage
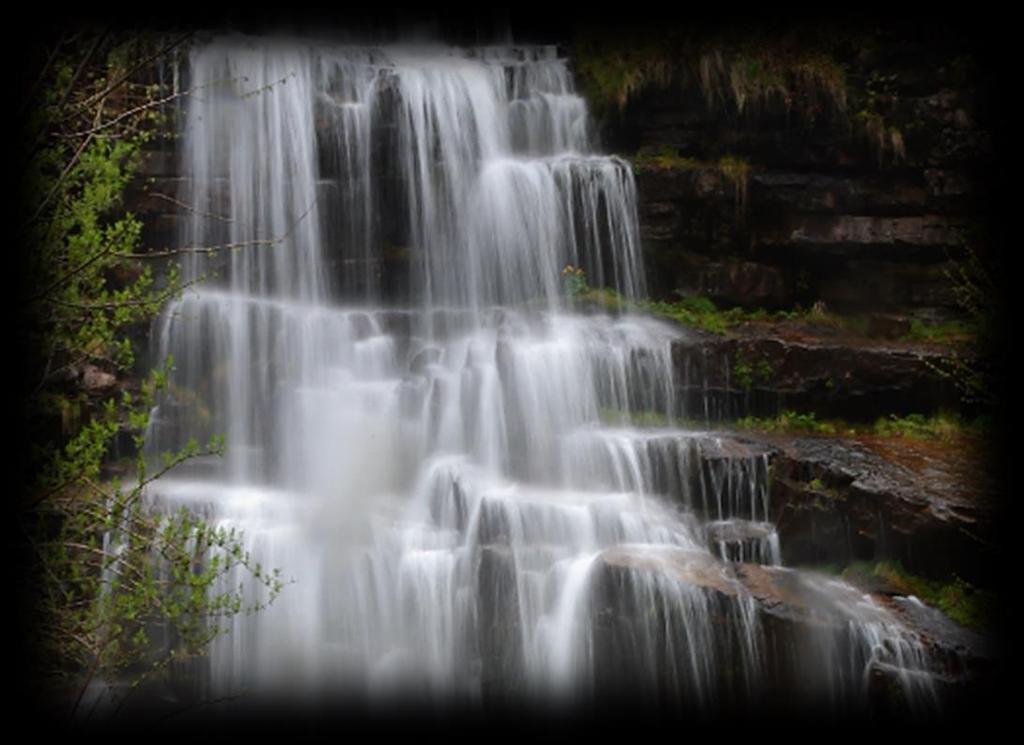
{"x": 117, "y": 573}
{"x": 885, "y": 138}
{"x": 614, "y": 69}
{"x": 604, "y": 298}
{"x": 574, "y": 282}
{"x": 945, "y": 333}
{"x": 697, "y": 304}
{"x": 816, "y": 76}
{"x": 748, "y": 73}
{"x": 943, "y": 426}
{"x": 733, "y": 169}
{"x": 736, "y": 170}
{"x": 788, "y": 421}
{"x": 109, "y": 575}
{"x": 743, "y": 374}
{"x": 741, "y": 71}
{"x": 818, "y": 315}
{"x": 964, "y": 603}
{"x": 701, "y": 312}
{"x": 879, "y": 98}
{"x": 746, "y": 371}
{"x": 696, "y": 312}
{"x": 666, "y": 158}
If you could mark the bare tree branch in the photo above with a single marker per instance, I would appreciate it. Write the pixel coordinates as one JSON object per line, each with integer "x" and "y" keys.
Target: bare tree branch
{"x": 201, "y": 249}
{"x": 189, "y": 207}
{"x": 79, "y": 70}
{"x": 125, "y": 115}
{"x": 159, "y": 102}
{"x": 145, "y": 302}
{"x": 121, "y": 80}
{"x": 222, "y": 246}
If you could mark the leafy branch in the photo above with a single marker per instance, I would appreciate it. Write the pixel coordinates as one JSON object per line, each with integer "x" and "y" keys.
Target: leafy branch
{"x": 110, "y": 575}
{"x": 119, "y": 570}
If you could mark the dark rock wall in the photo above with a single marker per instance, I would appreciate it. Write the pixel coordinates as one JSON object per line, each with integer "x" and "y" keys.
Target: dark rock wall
{"x": 862, "y": 205}
{"x": 831, "y": 378}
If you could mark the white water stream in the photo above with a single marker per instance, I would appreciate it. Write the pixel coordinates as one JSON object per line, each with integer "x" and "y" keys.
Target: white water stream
{"x": 434, "y": 473}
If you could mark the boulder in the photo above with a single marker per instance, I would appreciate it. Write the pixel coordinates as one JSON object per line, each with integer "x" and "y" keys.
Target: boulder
{"x": 97, "y": 381}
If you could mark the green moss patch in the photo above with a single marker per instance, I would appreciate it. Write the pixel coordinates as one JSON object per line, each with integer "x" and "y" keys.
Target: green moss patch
{"x": 952, "y": 331}
{"x": 942, "y": 426}
{"x": 964, "y": 603}
{"x": 790, "y": 422}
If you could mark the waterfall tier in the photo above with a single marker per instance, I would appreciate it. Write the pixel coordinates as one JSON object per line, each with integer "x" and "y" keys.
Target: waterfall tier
{"x": 440, "y": 477}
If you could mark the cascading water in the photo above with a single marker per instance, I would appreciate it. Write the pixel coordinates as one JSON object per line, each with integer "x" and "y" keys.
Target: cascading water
{"x": 436, "y": 474}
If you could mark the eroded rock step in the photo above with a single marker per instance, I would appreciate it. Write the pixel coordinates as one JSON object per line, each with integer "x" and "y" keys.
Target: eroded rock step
{"x": 816, "y": 370}
{"x": 754, "y": 631}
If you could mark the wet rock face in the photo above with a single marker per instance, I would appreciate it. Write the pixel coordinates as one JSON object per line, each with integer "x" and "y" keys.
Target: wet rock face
{"x": 744, "y": 283}
{"x": 832, "y": 500}
{"x": 774, "y": 255}
{"x": 702, "y": 663}
{"x": 835, "y": 501}
{"x": 750, "y": 637}
{"x": 500, "y": 635}
{"x": 744, "y": 541}
{"x": 763, "y": 371}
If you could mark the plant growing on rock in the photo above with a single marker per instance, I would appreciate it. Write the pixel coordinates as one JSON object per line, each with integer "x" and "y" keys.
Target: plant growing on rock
{"x": 574, "y": 282}
{"x": 742, "y": 72}
{"x": 730, "y": 168}
{"x": 747, "y": 371}
{"x": 964, "y": 603}
{"x": 788, "y": 421}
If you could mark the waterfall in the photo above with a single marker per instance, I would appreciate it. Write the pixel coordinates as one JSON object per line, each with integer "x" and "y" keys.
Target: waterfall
{"x": 433, "y": 464}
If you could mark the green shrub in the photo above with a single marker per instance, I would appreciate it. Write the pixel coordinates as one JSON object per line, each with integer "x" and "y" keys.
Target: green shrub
{"x": 105, "y": 570}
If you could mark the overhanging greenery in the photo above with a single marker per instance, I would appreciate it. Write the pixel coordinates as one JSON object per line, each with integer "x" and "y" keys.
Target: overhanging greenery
{"x": 106, "y": 574}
